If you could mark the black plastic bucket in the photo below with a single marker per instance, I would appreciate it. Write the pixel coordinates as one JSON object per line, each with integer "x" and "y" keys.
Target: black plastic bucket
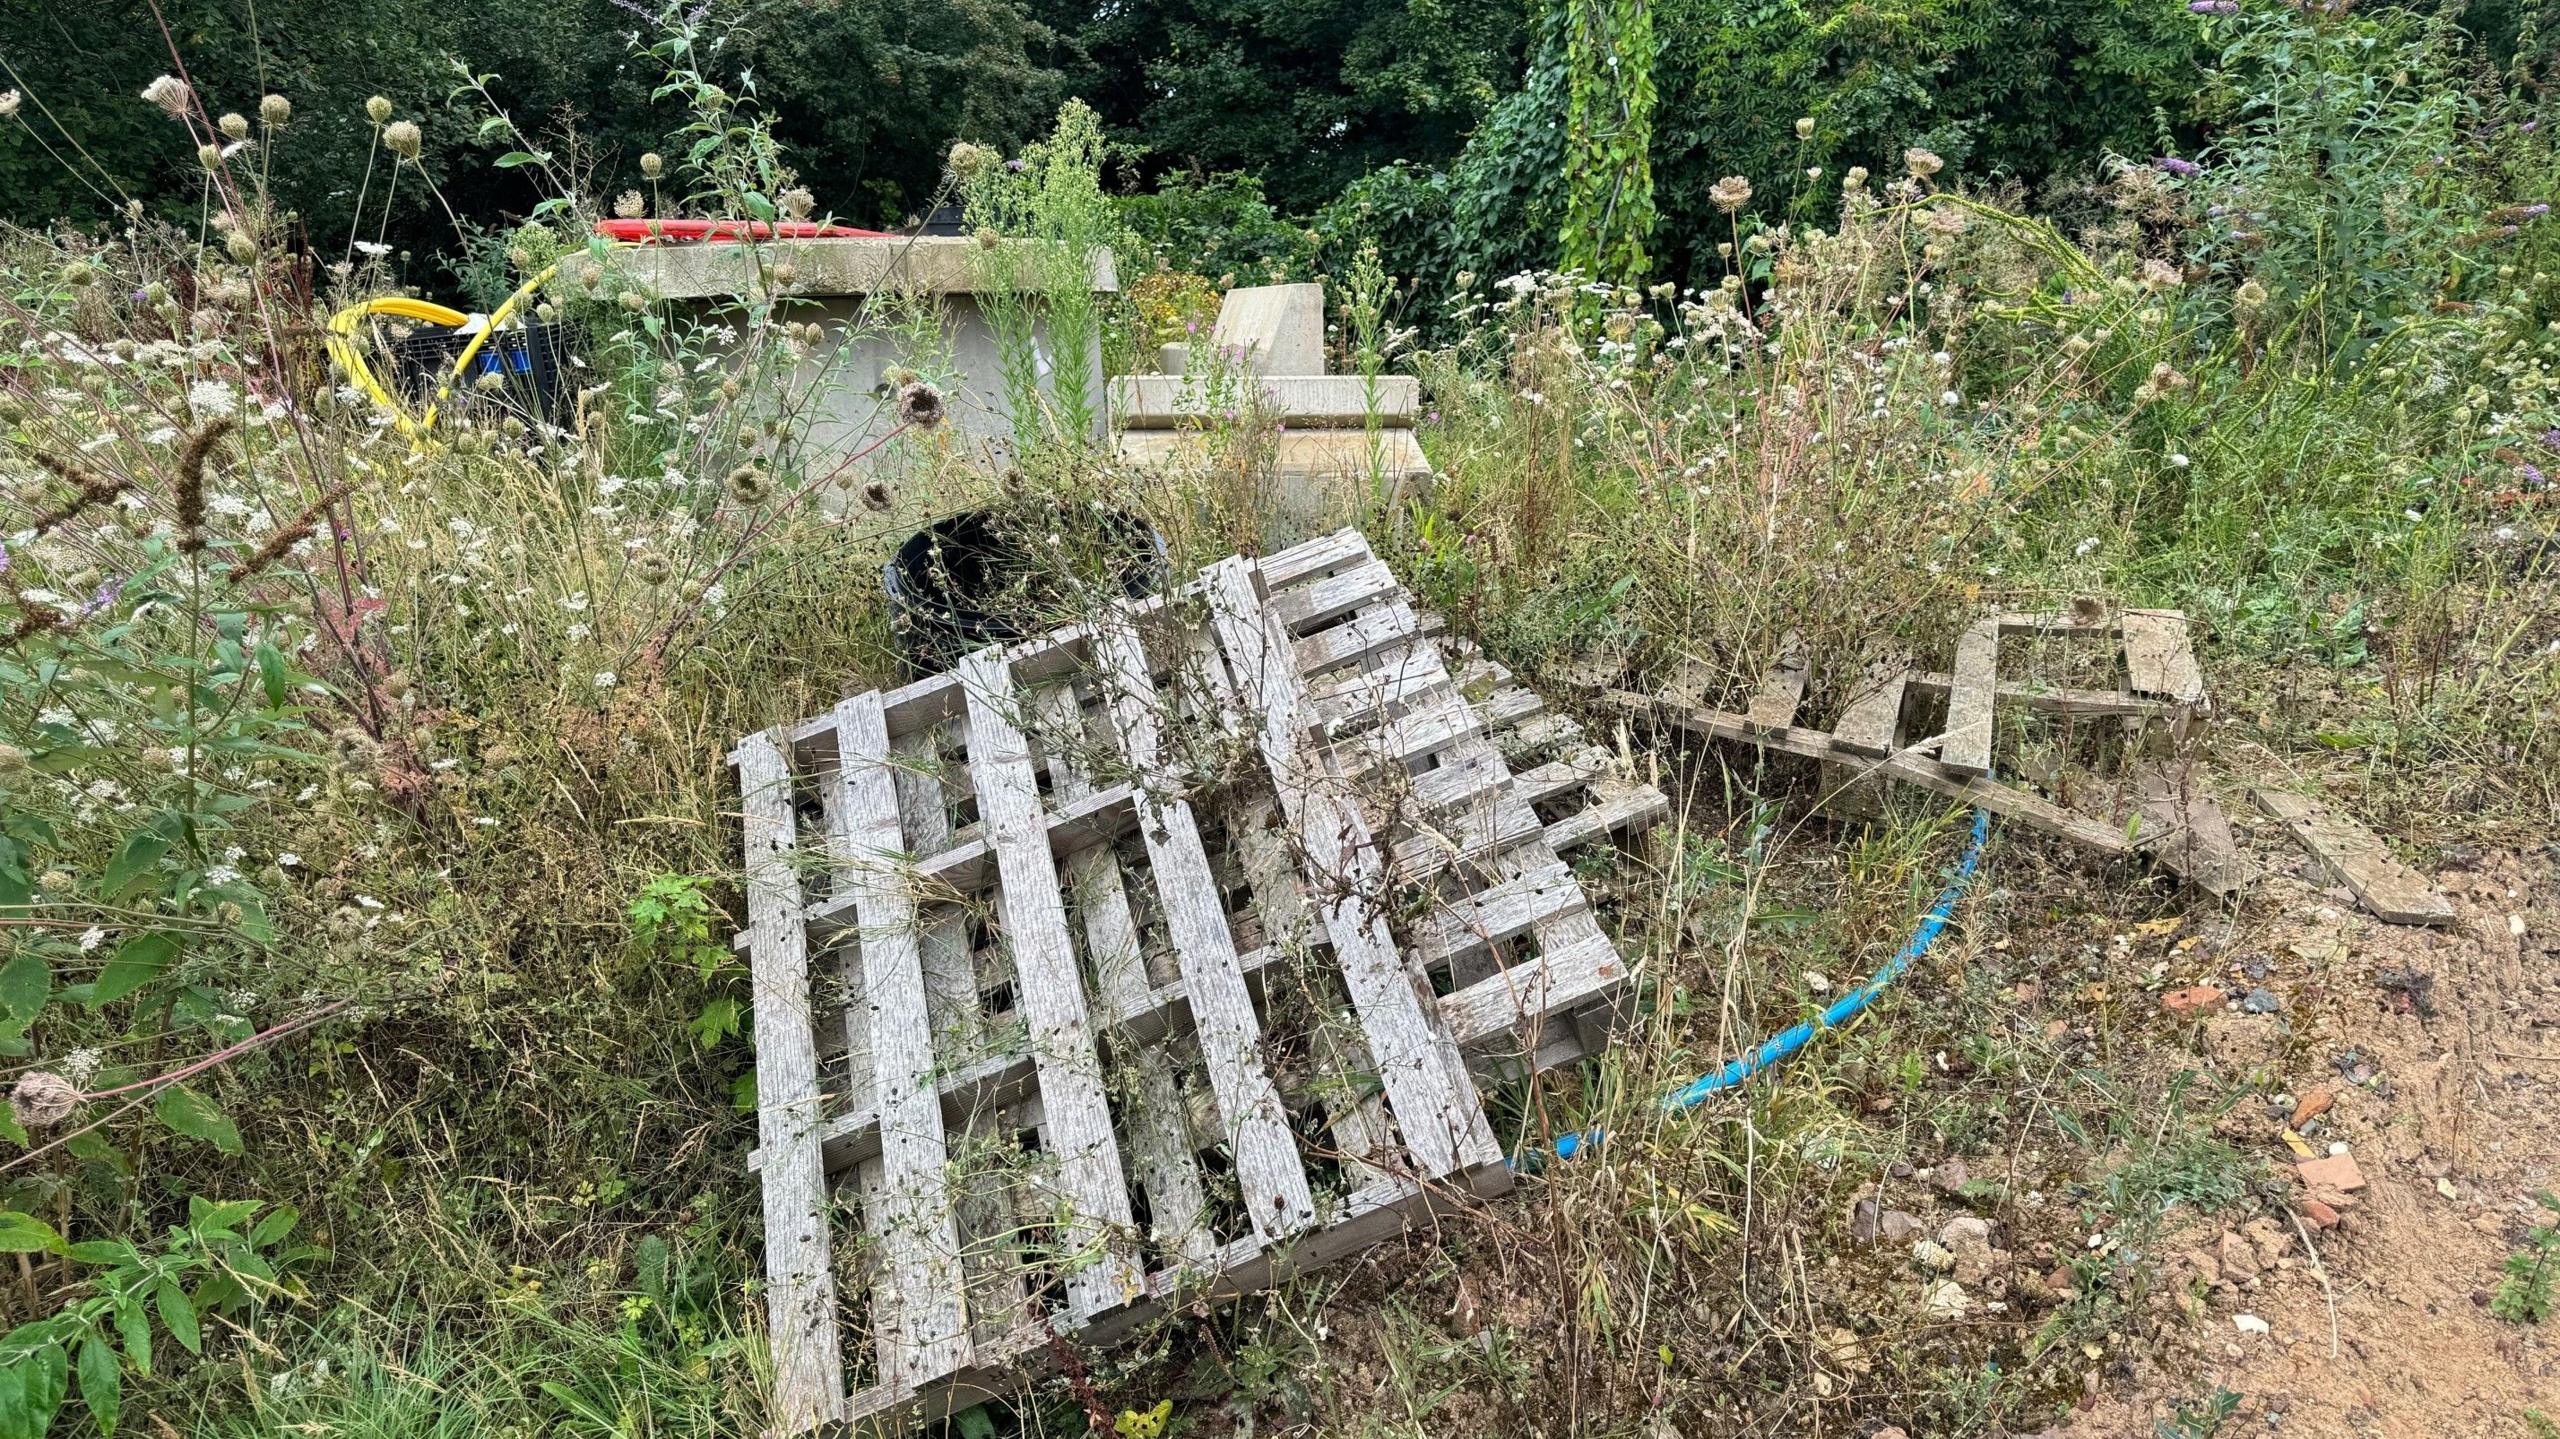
{"x": 980, "y": 578}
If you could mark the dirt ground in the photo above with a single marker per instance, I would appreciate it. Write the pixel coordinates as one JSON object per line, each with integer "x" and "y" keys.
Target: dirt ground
{"x": 2440, "y": 1053}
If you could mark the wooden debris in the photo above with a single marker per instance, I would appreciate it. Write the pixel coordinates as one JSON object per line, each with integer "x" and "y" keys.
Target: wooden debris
{"x": 2359, "y": 859}
{"x": 1076, "y": 1033}
{"x": 1967, "y": 746}
{"x": 2184, "y": 832}
{"x": 1782, "y": 688}
{"x": 2181, "y": 815}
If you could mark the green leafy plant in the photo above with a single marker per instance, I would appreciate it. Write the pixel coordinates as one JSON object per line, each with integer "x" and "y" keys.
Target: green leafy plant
{"x": 2525, "y": 1290}
{"x": 673, "y": 921}
{"x": 218, "y": 1263}
{"x": 2202, "y": 1422}
{"x": 1609, "y": 54}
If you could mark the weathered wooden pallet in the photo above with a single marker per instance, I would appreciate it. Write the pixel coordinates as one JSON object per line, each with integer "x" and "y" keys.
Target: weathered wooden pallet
{"x": 2181, "y": 827}
{"x": 1154, "y": 959}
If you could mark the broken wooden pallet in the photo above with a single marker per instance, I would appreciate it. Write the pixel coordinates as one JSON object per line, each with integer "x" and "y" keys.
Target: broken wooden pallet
{"x": 1156, "y": 958}
{"x": 2182, "y": 828}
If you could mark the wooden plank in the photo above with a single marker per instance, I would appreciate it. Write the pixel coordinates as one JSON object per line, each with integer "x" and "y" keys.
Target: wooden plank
{"x": 2359, "y": 859}
{"x": 1268, "y": 1173}
{"x": 1967, "y": 746}
{"x": 2159, "y": 659}
{"x": 2050, "y": 699}
{"x": 1051, "y": 995}
{"x": 1782, "y": 688}
{"x": 1443, "y": 1129}
{"x": 2174, "y": 803}
{"x": 1872, "y": 724}
{"x": 800, "y": 1294}
{"x": 921, "y": 1244}
{"x": 1160, "y": 1144}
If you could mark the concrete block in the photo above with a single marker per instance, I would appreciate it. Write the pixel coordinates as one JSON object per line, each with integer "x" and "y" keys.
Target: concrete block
{"x": 1278, "y": 329}
{"x": 1166, "y": 402}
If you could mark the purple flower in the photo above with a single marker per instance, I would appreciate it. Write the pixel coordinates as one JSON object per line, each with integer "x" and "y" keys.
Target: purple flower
{"x": 2550, "y": 439}
{"x": 2176, "y": 166}
{"x": 2533, "y": 476}
{"x": 105, "y": 596}
{"x": 2530, "y": 126}
{"x": 2213, "y": 7}
{"x": 2531, "y": 211}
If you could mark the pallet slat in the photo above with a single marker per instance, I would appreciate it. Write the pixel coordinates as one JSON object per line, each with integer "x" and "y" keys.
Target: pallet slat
{"x": 1967, "y": 746}
{"x": 2359, "y": 859}
{"x": 1089, "y": 1176}
{"x": 1273, "y": 1182}
{"x": 808, "y": 1362}
{"x": 920, "y": 1241}
{"x": 1441, "y": 1128}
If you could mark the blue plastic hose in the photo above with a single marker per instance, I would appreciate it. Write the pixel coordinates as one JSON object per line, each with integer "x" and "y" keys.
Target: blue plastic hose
{"x": 1778, "y": 1046}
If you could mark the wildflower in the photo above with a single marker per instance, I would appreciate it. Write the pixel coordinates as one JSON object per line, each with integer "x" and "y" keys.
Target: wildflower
{"x": 920, "y": 405}
{"x": 2250, "y": 295}
{"x": 2532, "y": 475}
{"x": 275, "y": 110}
{"x": 2160, "y": 275}
{"x": 1856, "y": 177}
{"x": 9, "y": 102}
{"x": 797, "y": 203}
{"x": 607, "y": 679}
{"x": 234, "y": 124}
{"x": 967, "y": 161}
{"x": 1921, "y": 163}
{"x": 629, "y": 205}
{"x": 169, "y": 93}
{"x": 402, "y": 138}
{"x": 1804, "y": 127}
{"x": 2213, "y": 7}
{"x": 2082, "y": 549}
{"x": 652, "y": 568}
{"x": 209, "y": 156}
{"x": 41, "y": 1099}
{"x": 748, "y": 485}
{"x": 652, "y": 165}
{"x": 1730, "y": 193}
{"x": 634, "y": 301}
{"x": 988, "y": 239}
{"x": 243, "y": 246}
{"x": 2178, "y": 167}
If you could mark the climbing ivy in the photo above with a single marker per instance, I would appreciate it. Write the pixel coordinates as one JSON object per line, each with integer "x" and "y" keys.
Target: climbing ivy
{"x": 1608, "y": 137}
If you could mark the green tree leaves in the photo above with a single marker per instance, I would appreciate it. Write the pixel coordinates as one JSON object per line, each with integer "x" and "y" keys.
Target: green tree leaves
{"x": 196, "y": 1117}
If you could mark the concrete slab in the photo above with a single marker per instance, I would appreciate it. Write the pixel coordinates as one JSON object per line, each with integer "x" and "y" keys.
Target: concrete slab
{"x": 1277, "y": 329}
{"x": 1166, "y": 402}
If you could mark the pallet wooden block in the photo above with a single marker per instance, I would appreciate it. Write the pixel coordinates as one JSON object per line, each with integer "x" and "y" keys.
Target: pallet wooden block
{"x": 1155, "y": 959}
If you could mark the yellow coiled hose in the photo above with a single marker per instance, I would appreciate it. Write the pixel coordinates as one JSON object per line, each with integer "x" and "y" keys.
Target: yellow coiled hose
{"x": 341, "y": 342}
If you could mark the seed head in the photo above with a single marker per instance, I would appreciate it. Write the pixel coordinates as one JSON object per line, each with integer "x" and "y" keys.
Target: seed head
{"x": 2250, "y": 295}
{"x": 377, "y": 108}
{"x": 12, "y": 758}
{"x": 875, "y": 497}
{"x": 171, "y": 94}
{"x": 920, "y": 405}
{"x": 401, "y": 138}
{"x": 629, "y": 205}
{"x": 275, "y": 110}
{"x": 652, "y": 568}
{"x": 652, "y": 165}
{"x": 967, "y": 161}
{"x": 243, "y": 247}
{"x": 748, "y": 485}
{"x": 1730, "y": 193}
{"x": 1856, "y": 177}
{"x": 988, "y": 239}
{"x": 1921, "y": 163}
{"x": 1804, "y": 127}
{"x": 797, "y": 203}
{"x": 2159, "y": 276}
{"x": 41, "y": 1099}
{"x": 234, "y": 125}
{"x": 10, "y": 100}
{"x": 209, "y": 156}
